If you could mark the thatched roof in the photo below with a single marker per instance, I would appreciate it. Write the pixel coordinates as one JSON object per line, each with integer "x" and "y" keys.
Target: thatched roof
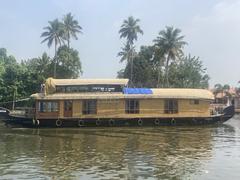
{"x": 181, "y": 93}
{"x": 63, "y": 82}
{"x": 51, "y": 83}
{"x": 157, "y": 93}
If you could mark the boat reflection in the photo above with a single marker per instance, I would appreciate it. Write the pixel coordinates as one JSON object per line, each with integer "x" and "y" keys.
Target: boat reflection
{"x": 128, "y": 153}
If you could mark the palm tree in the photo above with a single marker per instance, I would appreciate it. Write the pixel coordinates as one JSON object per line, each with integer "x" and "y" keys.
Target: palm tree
{"x": 130, "y": 30}
{"x": 54, "y": 34}
{"x": 126, "y": 53}
{"x": 43, "y": 63}
{"x": 71, "y": 28}
{"x": 171, "y": 44}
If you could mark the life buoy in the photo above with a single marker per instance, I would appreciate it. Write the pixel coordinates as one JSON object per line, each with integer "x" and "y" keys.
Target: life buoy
{"x": 58, "y": 123}
{"x": 111, "y": 122}
{"x": 81, "y": 123}
{"x": 194, "y": 121}
{"x": 156, "y": 122}
{"x": 36, "y": 122}
{"x": 140, "y": 122}
{"x": 173, "y": 122}
{"x": 98, "y": 122}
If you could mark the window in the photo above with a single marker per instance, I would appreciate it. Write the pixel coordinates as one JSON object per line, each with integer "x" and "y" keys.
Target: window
{"x": 171, "y": 106}
{"x": 88, "y": 88}
{"x": 60, "y": 89}
{"x": 89, "y": 107}
{"x": 194, "y": 101}
{"x": 48, "y": 106}
{"x": 67, "y": 105}
{"x": 132, "y": 106}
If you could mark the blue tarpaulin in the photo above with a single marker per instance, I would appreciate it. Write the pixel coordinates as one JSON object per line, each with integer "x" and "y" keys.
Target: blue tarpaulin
{"x": 137, "y": 91}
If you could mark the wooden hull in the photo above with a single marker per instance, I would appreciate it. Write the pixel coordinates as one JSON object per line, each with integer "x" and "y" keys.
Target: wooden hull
{"x": 120, "y": 122}
{"x": 115, "y": 122}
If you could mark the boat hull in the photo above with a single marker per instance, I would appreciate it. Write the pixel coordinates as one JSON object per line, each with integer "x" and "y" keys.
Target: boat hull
{"x": 120, "y": 122}
{"x": 106, "y": 122}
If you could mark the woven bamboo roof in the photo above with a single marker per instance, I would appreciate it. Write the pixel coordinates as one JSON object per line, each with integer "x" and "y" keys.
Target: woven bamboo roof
{"x": 51, "y": 83}
{"x": 157, "y": 93}
{"x": 182, "y": 93}
{"x": 63, "y": 82}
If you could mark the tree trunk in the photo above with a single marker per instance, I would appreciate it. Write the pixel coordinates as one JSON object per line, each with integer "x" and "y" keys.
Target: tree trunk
{"x": 68, "y": 41}
{"x": 158, "y": 80}
{"x": 166, "y": 72}
{"x": 131, "y": 75}
{"x": 55, "y": 62}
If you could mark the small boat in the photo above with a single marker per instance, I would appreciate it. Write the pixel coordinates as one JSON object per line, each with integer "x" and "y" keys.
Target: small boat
{"x": 110, "y": 102}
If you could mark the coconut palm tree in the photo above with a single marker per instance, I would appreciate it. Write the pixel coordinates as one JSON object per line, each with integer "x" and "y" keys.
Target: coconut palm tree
{"x": 126, "y": 53}
{"x": 130, "y": 30}
{"x": 171, "y": 44}
{"x": 71, "y": 28}
{"x": 54, "y": 34}
{"x": 43, "y": 63}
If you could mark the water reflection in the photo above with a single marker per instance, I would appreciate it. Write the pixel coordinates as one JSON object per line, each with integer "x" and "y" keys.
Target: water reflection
{"x": 111, "y": 153}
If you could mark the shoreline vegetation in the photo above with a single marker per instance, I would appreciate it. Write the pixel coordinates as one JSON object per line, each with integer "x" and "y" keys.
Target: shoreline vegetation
{"x": 162, "y": 64}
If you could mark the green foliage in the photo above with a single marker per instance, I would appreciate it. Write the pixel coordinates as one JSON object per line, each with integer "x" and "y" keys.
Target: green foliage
{"x": 129, "y": 30}
{"x": 58, "y": 32}
{"x": 143, "y": 69}
{"x": 41, "y": 67}
{"x": 68, "y": 65}
{"x": 71, "y": 28}
{"x": 188, "y": 72}
{"x": 126, "y": 52}
{"x": 15, "y": 79}
{"x": 160, "y": 65}
{"x": 53, "y": 33}
{"x": 20, "y": 80}
{"x": 170, "y": 45}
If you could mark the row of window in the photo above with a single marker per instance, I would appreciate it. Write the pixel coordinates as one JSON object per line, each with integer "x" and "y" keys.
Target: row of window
{"x": 48, "y": 106}
{"x": 90, "y": 106}
{"x": 89, "y": 88}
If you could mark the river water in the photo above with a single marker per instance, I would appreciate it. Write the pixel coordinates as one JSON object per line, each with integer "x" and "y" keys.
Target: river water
{"x": 211, "y": 152}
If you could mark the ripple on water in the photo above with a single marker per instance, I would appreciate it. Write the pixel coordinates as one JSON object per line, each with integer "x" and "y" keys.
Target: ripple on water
{"x": 121, "y": 153}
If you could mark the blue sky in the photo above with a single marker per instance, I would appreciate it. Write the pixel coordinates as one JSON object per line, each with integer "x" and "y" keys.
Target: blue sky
{"x": 211, "y": 28}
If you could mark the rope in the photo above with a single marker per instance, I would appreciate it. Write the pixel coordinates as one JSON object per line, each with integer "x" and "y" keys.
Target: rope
{"x": 19, "y": 100}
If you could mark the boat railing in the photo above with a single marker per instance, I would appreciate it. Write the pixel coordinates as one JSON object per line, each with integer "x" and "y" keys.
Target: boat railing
{"x": 216, "y": 109}
{"x": 23, "y": 111}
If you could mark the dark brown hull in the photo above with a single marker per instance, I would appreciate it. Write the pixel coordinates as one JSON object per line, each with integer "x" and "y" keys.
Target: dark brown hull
{"x": 119, "y": 122}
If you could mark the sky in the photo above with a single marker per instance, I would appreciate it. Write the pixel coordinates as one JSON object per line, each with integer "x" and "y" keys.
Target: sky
{"x": 211, "y": 28}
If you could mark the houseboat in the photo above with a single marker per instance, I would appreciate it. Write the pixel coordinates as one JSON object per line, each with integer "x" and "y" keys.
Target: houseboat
{"x": 110, "y": 102}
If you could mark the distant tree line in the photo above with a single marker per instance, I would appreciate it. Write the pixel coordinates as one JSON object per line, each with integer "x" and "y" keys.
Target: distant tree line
{"x": 162, "y": 64}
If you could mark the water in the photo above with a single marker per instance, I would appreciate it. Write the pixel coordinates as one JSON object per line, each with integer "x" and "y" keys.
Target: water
{"x": 211, "y": 152}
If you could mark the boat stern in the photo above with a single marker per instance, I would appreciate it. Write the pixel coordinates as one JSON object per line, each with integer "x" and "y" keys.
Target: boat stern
{"x": 4, "y": 114}
{"x": 228, "y": 112}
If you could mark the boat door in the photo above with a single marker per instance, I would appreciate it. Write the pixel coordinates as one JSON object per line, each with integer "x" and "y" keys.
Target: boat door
{"x": 68, "y": 108}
